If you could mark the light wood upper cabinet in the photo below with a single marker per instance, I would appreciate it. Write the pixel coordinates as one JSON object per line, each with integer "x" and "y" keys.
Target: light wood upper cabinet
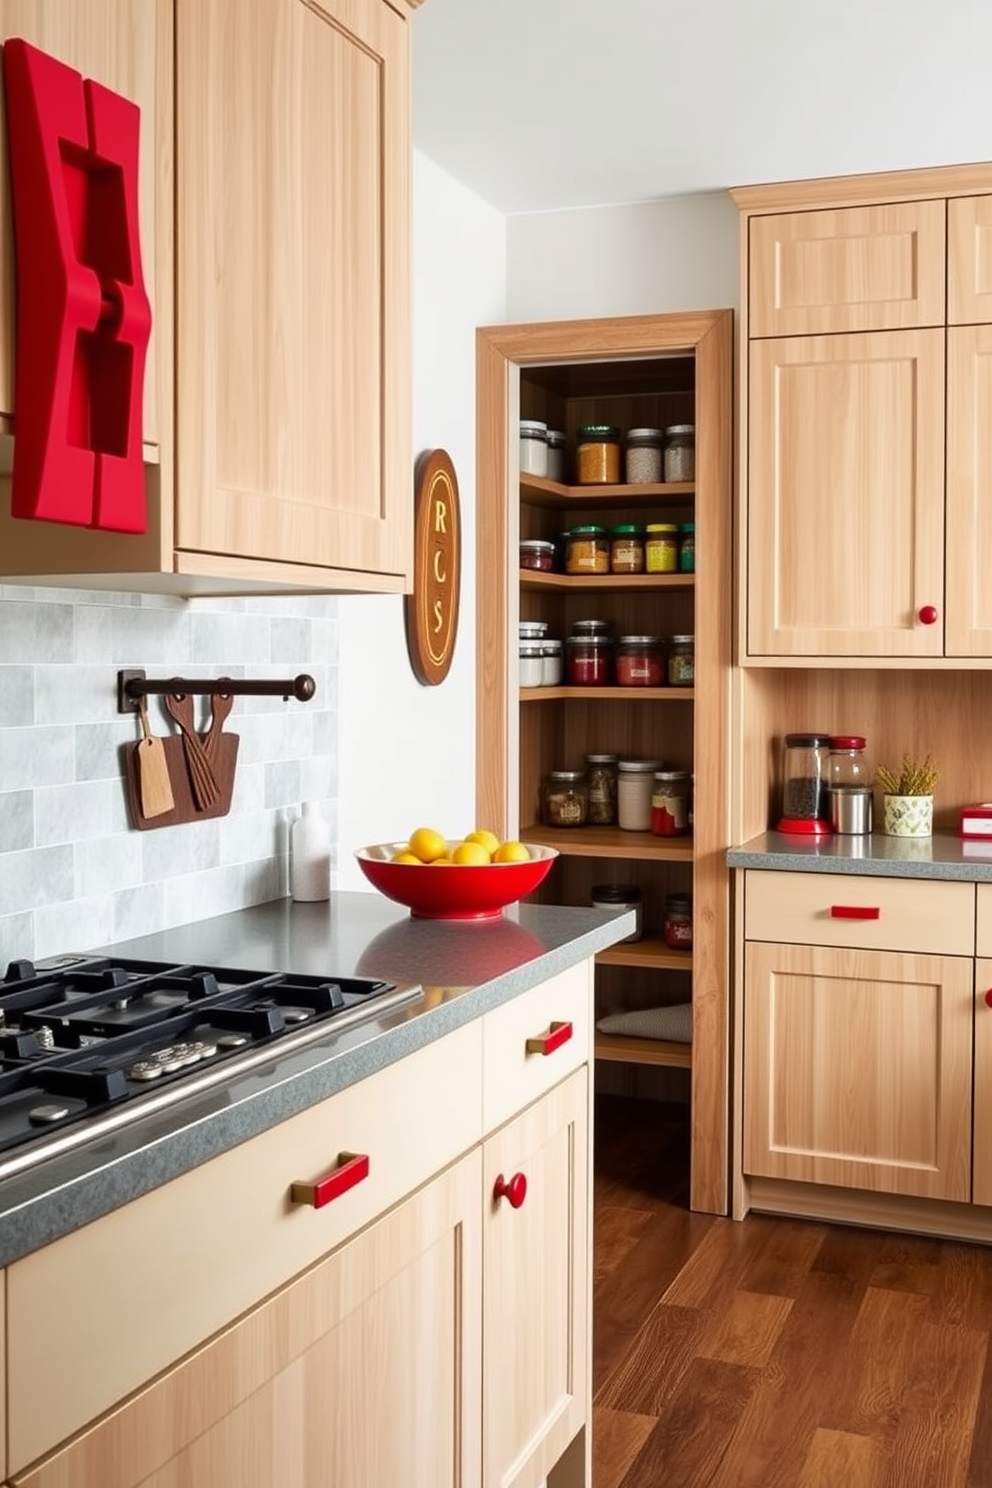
{"x": 850, "y": 269}
{"x": 292, "y": 262}
{"x": 126, "y": 46}
{"x": 969, "y": 491}
{"x": 969, "y": 260}
{"x": 844, "y": 528}
{"x": 857, "y": 1069}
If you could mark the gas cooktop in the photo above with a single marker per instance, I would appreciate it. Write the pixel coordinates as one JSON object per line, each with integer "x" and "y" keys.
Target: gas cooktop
{"x": 89, "y": 1042}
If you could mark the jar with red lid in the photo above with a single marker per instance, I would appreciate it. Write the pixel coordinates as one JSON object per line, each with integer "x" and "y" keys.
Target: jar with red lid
{"x": 677, "y": 928}
{"x": 640, "y": 661}
{"x": 588, "y": 660}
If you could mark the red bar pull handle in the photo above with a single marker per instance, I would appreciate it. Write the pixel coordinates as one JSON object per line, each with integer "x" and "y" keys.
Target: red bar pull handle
{"x": 988, "y": 998}
{"x": 352, "y": 1168}
{"x": 558, "y": 1034}
{"x": 855, "y": 912}
{"x": 514, "y": 1189}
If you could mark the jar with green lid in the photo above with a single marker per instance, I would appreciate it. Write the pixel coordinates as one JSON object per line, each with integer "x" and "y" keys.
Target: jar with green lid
{"x": 687, "y": 547}
{"x": 566, "y": 799}
{"x": 597, "y": 455}
{"x": 627, "y": 549}
{"x": 644, "y": 457}
{"x": 680, "y": 452}
{"x": 661, "y": 547}
{"x": 682, "y": 661}
{"x": 601, "y": 778}
{"x": 588, "y": 550}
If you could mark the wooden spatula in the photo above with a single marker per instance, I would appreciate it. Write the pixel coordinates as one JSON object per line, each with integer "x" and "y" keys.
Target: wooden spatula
{"x": 202, "y": 779}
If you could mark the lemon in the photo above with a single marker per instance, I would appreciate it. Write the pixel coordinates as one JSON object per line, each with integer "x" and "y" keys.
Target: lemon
{"x": 426, "y": 844}
{"x": 511, "y": 852}
{"x": 470, "y": 854}
{"x": 442, "y": 862}
{"x": 406, "y": 857}
{"x": 489, "y": 840}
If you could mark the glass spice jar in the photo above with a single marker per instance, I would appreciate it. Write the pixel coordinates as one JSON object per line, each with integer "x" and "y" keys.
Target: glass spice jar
{"x": 588, "y": 660}
{"x": 682, "y": 661}
{"x": 644, "y": 458}
{"x": 531, "y": 658}
{"x": 680, "y": 452}
{"x": 566, "y": 799}
{"x": 601, "y": 777}
{"x": 533, "y": 447}
{"x": 620, "y": 896}
{"x": 634, "y": 788}
{"x": 677, "y": 925}
{"x": 537, "y": 555}
{"x": 598, "y": 629}
{"x": 556, "y": 455}
{"x": 597, "y": 455}
{"x": 627, "y": 549}
{"x": 670, "y": 803}
{"x": 661, "y": 547}
{"x": 640, "y": 661}
{"x": 687, "y": 547}
{"x": 587, "y": 551}
{"x": 552, "y": 663}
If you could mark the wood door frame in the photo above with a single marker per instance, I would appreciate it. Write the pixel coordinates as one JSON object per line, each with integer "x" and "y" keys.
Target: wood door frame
{"x": 501, "y": 351}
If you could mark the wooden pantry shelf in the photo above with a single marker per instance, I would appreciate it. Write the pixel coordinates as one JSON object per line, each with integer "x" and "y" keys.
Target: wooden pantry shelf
{"x": 619, "y": 1048}
{"x": 533, "y": 581}
{"x": 552, "y": 494}
{"x": 609, "y": 842}
{"x": 614, "y": 694}
{"x": 649, "y": 953}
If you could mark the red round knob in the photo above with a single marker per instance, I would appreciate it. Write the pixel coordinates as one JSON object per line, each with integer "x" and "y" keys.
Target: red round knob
{"x": 928, "y": 615}
{"x": 514, "y": 1189}
{"x": 988, "y": 998}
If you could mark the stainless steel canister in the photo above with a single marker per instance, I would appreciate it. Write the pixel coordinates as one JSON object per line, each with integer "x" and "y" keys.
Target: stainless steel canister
{"x": 850, "y": 809}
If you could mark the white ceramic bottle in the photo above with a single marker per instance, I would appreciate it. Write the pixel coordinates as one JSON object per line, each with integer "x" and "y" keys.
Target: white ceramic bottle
{"x": 310, "y": 855}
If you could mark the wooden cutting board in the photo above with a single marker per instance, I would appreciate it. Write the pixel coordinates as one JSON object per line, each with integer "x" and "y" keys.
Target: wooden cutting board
{"x": 222, "y": 752}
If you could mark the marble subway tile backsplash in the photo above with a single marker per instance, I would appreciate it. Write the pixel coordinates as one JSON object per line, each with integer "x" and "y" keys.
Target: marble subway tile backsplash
{"x": 74, "y": 874}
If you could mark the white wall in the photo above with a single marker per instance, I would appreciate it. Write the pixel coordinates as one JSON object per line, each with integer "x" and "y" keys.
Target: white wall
{"x": 643, "y": 259}
{"x": 407, "y": 752}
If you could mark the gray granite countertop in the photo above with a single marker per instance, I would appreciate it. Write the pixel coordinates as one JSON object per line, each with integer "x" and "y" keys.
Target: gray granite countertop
{"x": 943, "y": 855}
{"x": 456, "y": 971}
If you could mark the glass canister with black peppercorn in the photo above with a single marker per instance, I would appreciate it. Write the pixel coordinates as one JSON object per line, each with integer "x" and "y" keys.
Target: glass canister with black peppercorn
{"x": 601, "y": 778}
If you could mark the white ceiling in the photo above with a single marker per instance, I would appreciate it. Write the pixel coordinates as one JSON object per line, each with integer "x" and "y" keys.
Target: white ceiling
{"x": 541, "y": 105}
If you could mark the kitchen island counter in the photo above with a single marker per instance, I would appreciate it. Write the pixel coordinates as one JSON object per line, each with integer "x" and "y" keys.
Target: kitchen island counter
{"x": 456, "y": 971}
{"x": 942, "y": 856}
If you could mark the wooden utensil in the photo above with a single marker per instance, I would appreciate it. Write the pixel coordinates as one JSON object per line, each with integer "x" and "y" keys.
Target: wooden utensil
{"x": 154, "y": 786}
{"x": 221, "y": 704}
{"x": 205, "y": 788}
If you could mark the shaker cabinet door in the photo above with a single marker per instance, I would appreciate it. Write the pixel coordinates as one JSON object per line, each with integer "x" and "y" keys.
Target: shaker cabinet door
{"x": 969, "y": 490}
{"x": 292, "y": 242}
{"x": 982, "y": 1155}
{"x": 969, "y": 260}
{"x": 845, "y": 519}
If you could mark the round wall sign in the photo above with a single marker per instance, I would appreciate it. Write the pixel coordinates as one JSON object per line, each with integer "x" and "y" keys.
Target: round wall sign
{"x": 431, "y": 611}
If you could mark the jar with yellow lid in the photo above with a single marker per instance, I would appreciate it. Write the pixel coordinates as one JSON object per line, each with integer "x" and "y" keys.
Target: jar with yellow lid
{"x": 661, "y": 547}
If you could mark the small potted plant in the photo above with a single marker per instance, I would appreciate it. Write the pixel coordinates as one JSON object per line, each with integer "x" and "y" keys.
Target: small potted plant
{"x": 908, "y": 797}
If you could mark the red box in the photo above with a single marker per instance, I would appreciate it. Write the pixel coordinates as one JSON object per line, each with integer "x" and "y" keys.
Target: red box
{"x": 975, "y": 822}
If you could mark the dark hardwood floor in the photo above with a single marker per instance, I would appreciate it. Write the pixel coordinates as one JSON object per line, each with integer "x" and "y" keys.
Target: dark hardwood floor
{"x": 774, "y": 1353}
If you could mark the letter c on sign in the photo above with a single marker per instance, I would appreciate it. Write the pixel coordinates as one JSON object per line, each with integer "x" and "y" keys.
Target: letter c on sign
{"x": 431, "y": 611}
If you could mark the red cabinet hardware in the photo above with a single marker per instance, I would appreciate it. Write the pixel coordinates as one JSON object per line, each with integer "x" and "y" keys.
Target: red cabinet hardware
{"x": 988, "y": 998}
{"x": 83, "y": 317}
{"x": 514, "y": 1189}
{"x": 558, "y": 1034}
{"x": 354, "y": 1166}
{"x": 855, "y": 912}
{"x": 928, "y": 615}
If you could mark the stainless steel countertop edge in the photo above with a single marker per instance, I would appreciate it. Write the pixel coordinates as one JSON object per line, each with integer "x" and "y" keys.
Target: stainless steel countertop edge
{"x": 465, "y": 969}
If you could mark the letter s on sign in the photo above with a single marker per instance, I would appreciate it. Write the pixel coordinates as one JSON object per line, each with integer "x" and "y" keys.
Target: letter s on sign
{"x": 431, "y": 611}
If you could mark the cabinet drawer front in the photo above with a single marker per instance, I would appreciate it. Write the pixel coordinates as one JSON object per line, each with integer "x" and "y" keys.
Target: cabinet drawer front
{"x": 983, "y": 933}
{"x": 836, "y": 909}
{"x": 513, "y": 1074}
{"x": 855, "y": 269}
{"x": 130, "y": 1293}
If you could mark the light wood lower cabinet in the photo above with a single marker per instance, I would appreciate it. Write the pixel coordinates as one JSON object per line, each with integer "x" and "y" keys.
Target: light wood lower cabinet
{"x": 219, "y": 1332}
{"x": 363, "y": 1371}
{"x": 982, "y": 1130}
{"x": 857, "y": 1069}
{"x": 535, "y": 1310}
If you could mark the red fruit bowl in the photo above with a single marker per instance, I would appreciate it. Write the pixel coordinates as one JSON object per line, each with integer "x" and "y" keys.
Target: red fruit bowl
{"x": 453, "y": 891}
